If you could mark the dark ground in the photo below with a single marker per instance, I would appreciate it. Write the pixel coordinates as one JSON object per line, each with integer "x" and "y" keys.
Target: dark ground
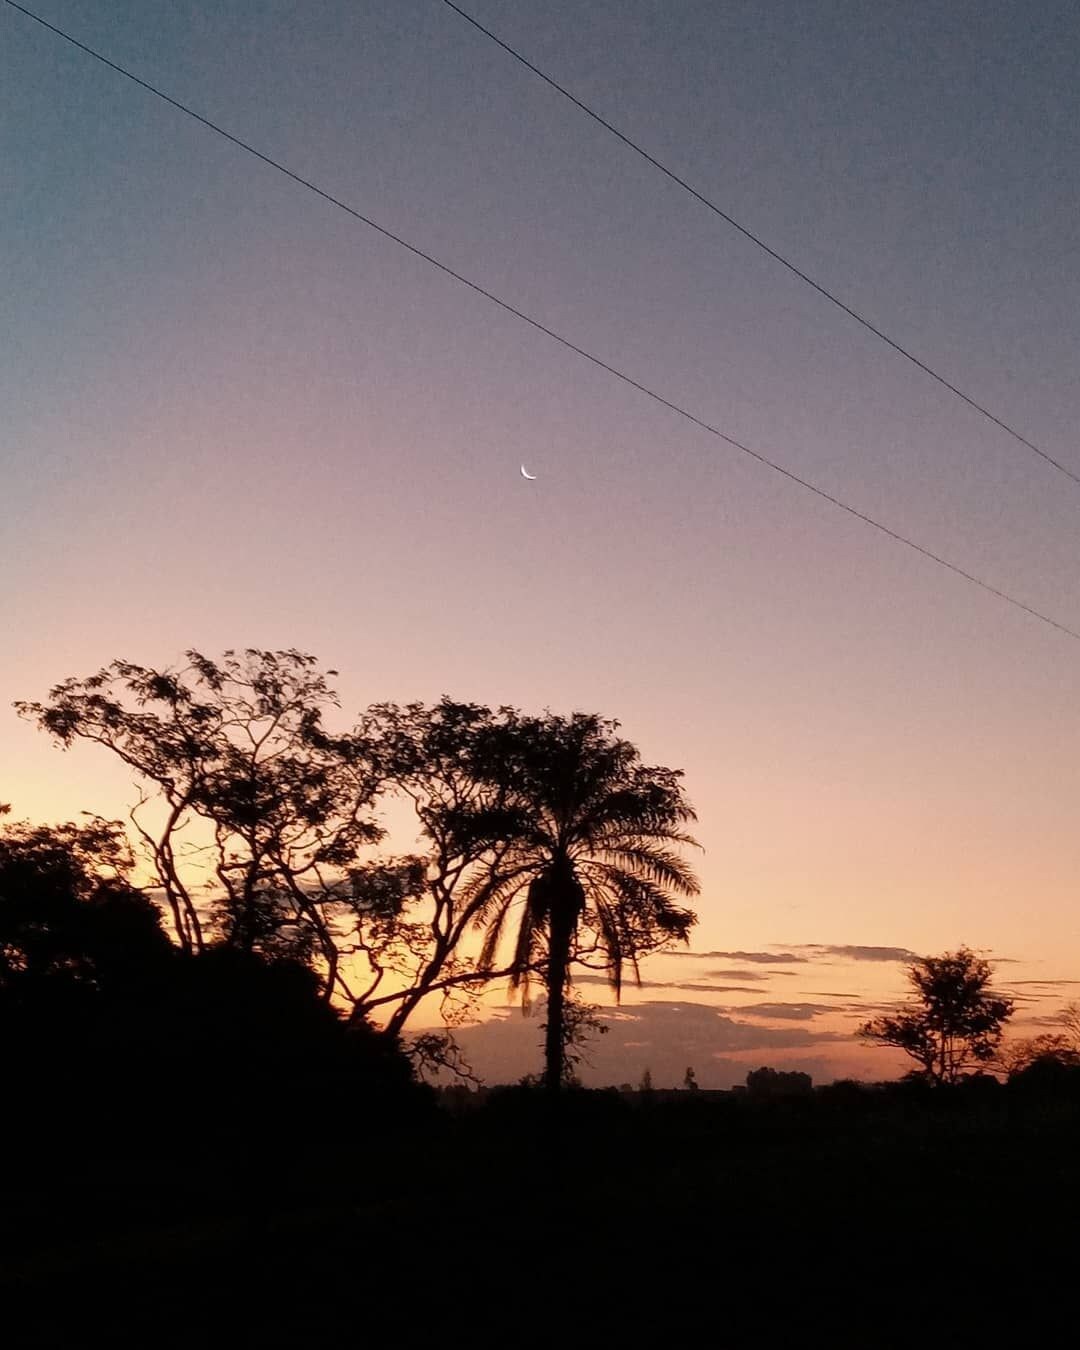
{"x": 874, "y": 1218}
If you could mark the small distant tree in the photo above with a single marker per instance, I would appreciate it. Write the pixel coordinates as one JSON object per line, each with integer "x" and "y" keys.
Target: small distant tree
{"x": 1016, "y": 1056}
{"x": 690, "y": 1082}
{"x": 1050, "y": 1047}
{"x": 645, "y": 1087}
{"x": 954, "y": 1022}
{"x": 1069, "y": 1020}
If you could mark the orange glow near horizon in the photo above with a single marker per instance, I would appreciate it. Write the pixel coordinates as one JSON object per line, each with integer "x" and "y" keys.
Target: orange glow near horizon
{"x": 801, "y": 1015}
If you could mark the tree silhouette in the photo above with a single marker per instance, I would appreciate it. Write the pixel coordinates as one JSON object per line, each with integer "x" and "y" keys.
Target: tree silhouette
{"x": 1017, "y": 1056}
{"x": 581, "y": 1021}
{"x": 73, "y": 929}
{"x": 955, "y": 1020}
{"x": 243, "y": 787}
{"x": 1069, "y": 1019}
{"x": 766, "y": 1082}
{"x": 225, "y": 1052}
{"x": 256, "y": 823}
{"x": 589, "y": 865}
{"x": 446, "y": 761}
{"x": 1058, "y": 1047}
{"x": 255, "y": 819}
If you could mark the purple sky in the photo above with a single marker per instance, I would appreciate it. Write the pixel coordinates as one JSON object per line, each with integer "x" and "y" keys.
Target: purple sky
{"x": 232, "y": 416}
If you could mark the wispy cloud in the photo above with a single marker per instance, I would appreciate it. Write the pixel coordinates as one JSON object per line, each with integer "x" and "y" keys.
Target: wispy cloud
{"x": 803, "y": 953}
{"x": 710, "y": 988}
{"x": 697, "y": 987}
{"x": 754, "y": 958}
{"x": 857, "y": 953}
{"x": 1050, "y": 984}
{"x": 737, "y": 975}
{"x": 784, "y": 1012}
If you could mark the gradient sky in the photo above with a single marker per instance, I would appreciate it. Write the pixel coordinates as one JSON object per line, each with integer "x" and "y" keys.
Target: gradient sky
{"x": 233, "y": 416}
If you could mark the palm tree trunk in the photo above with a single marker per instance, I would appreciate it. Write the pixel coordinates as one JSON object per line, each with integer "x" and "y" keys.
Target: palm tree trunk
{"x": 564, "y": 916}
{"x": 556, "y": 976}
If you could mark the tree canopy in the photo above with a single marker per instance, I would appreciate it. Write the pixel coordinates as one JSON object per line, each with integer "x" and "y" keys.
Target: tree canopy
{"x": 953, "y": 1023}
{"x": 589, "y": 868}
{"x": 260, "y": 829}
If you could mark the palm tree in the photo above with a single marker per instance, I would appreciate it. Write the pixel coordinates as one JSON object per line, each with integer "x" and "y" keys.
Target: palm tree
{"x": 590, "y": 865}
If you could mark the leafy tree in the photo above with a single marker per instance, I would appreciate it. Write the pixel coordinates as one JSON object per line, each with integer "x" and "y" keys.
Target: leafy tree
{"x": 1016, "y": 1056}
{"x": 73, "y": 928}
{"x": 1069, "y": 1020}
{"x": 587, "y": 862}
{"x": 242, "y": 786}
{"x": 446, "y": 761}
{"x": 257, "y": 821}
{"x": 955, "y": 1020}
{"x": 159, "y": 1047}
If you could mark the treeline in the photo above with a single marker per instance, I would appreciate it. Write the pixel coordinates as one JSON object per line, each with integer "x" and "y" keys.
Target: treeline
{"x": 545, "y": 843}
{"x": 253, "y": 887}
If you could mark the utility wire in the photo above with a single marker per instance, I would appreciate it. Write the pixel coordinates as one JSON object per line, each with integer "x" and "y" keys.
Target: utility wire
{"x": 542, "y": 328}
{"x": 766, "y": 248}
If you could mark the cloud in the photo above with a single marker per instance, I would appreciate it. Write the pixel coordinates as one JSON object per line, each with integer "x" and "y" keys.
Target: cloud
{"x": 662, "y": 1036}
{"x": 703, "y": 1026}
{"x": 1050, "y": 984}
{"x": 803, "y": 953}
{"x": 787, "y": 1012}
{"x": 709, "y": 988}
{"x": 857, "y": 953}
{"x": 736, "y": 975}
{"x": 696, "y": 988}
{"x": 833, "y": 993}
{"x": 755, "y": 958}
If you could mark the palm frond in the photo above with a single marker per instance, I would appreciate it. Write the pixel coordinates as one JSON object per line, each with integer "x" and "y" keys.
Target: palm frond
{"x": 493, "y": 936}
{"x": 639, "y": 833}
{"x": 496, "y": 890}
{"x": 591, "y": 816}
{"x": 660, "y": 865}
{"x": 524, "y": 951}
{"x": 612, "y": 942}
{"x": 646, "y": 905}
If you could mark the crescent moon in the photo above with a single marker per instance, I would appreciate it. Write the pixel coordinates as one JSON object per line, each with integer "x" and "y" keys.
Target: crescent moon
{"x": 526, "y": 474}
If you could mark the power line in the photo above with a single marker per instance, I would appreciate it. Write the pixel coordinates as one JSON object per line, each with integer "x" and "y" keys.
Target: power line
{"x": 542, "y": 328}
{"x": 766, "y": 248}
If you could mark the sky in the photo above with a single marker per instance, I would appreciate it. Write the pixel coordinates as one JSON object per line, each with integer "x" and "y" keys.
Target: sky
{"x": 233, "y": 416}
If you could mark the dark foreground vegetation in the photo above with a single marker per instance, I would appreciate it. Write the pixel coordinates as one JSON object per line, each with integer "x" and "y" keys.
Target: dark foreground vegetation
{"x": 207, "y": 1215}
{"x": 213, "y": 1124}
